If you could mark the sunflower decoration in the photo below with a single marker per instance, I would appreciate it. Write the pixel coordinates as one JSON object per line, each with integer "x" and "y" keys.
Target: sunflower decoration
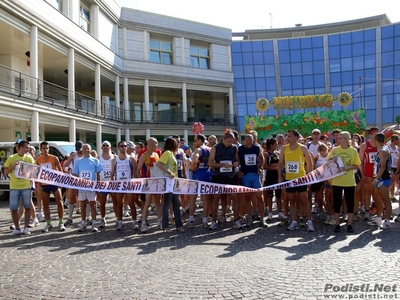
{"x": 2, "y": 154}
{"x": 197, "y": 128}
{"x": 262, "y": 105}
{"x": 344, "y": 99}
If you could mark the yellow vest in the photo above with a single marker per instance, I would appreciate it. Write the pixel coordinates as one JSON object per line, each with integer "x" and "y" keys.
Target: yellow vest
{"x": 294, "y": 163}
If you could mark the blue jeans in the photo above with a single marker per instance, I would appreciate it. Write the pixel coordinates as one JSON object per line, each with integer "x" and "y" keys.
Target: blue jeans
{"x": 174, "y": 198}
{"x": 16, "y": 195}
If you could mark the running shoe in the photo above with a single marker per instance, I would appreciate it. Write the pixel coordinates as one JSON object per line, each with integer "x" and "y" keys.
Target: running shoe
{"x": 82, "y": 228}
{"x": 284, "y": 222}
{"x": 61, "y": 227}
{"x": 350, "y": 229}
{"x": 16, "y": 232}
{"x": 47, "y": 228}
{"x": 310, "y": 226}
{"x": 103, "y": 223}
{"x": 237, "y": 224}
{"x": 213, "y": 226}
{"x": 293, "y": 226}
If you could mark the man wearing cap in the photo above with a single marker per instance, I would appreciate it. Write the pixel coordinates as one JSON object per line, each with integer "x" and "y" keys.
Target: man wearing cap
{"x": 212, "y": 140}
{"x": 224, "y": 160}
{"x": 19, "y": 188}
{"x": 105, "y": 175}
{"x": 313, "y": 148}
{"x": 68, "y": 167}
{"x": 89, "y": 168}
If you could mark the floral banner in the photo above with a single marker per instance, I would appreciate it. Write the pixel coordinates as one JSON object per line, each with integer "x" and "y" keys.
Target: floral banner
{"x": 326, "y": 121}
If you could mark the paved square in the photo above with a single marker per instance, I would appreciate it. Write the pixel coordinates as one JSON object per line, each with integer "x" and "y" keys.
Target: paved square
{"x": 255, "y": 263}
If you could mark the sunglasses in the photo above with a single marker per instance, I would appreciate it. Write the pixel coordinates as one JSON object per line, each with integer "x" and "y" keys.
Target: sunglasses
{"x": 106, "y": 145}
{"x": 123, "y": 146}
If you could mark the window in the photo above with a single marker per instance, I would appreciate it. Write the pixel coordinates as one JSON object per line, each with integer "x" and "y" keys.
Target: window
{"x": 200, "y": 57}
{"x": 161, "y": 51}
{"x": 57, "y": 4}
{"x": 84, "y": 17}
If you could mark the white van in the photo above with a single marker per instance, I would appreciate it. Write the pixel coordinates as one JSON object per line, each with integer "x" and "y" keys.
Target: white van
{"x": 60, "y": 149}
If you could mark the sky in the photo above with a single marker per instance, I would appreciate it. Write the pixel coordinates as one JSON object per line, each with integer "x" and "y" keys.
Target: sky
{"x": 265, "y": 14}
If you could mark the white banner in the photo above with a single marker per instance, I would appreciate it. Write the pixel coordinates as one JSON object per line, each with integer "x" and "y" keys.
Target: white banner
{"x": 161, "y": 185}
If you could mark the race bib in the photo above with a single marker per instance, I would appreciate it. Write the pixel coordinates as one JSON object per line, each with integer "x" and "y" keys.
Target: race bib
{"x": 372, "y": 157}
{"x": 123, "y": 172}
{"x": 224, "y": 169}
{"x": 46, "y": 165}
{"x": 86, "y": 175}
{"x": 292, "y": 167}
{"x": 179, "y": 163}
{"x": 394, "y": 161}
{"x": 106, "y": 173}
{"x": 250, "y": 159}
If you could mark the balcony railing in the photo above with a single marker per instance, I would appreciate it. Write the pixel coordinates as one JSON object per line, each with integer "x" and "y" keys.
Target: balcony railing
{"x": 36, "y": 90}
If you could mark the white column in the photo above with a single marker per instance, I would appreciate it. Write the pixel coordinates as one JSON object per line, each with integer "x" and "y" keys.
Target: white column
{"x": 145, "y": 46}
{"x": 186, "y": 136}
{"x": 117, "y": 98}
{"x": 71, "y": 78}
{"x": 127, "y": 136}
{"x": 35, "y": 126}
{"x": 231, "y": 112}
{"x": 98, "y": 138}
{"x": 118, "y": 135}
{"x": 94, "y": 20}
{"x": 148, "y": 134}
{"x": 229, "y": 59}
{"x": 146, "y": 100}
{"x": 72, "y": 131}
{"x": 155, "y": 105}
{"x": 124, "y": 46}
{"x": 97, "y": 89}
{"x": 34, "y": 60}
{"x": 182, "y": 51}
{"x": 184, "y": 102}
{"x": 106, "y": 104}
{"x": 126, "y": 101}
{"x": 73, "y": 10}
{"x": 116, "y": 29}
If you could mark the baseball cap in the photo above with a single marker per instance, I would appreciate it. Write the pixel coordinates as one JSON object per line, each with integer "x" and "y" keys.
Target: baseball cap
{"x": 106, "y": 143}
{"x": 185, "y": 147}
{"x": 18, "y": 141}
{"x": 78, "y": 146}
{"x": 130, "y": 144}
{"x": 316, "y": 131}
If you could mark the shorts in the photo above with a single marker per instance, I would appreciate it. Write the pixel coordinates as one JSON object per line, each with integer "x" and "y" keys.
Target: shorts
{"x": 86, "y": 195}
{"x": 383, "y": 182}
{"x": 315, "y": 187}
{"x": 251, "y": 180}
{"x": 278, "y": 193}
{"x": 49, "y": 188}
{"x": 299, "y": 189}
{"x": 202, "y": 175}
{"x": 225, "y": 179}
{"x": 16, "y": 195}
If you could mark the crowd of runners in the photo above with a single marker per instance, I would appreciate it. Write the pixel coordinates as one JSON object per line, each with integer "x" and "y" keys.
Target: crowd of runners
{"x": 364, "y": 192}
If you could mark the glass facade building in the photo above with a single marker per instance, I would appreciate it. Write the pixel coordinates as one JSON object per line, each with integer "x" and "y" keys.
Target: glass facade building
{"x": 364, "y": 63}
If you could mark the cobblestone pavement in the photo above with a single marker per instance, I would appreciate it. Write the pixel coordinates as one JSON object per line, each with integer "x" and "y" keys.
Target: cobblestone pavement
{"x": 255, "y": 263}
